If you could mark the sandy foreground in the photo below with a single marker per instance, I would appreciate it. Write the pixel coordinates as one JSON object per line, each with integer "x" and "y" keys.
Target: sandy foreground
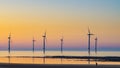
{"x": 2, "y": 65}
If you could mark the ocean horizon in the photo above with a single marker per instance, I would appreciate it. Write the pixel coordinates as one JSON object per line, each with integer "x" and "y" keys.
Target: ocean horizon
{"x": 58, "y": 53}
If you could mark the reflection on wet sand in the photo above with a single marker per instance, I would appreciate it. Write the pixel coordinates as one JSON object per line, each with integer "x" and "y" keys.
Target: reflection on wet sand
{"x": 38, "y": 60}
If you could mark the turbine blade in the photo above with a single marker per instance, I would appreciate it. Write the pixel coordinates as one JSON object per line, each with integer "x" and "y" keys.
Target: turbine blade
{"x": 88, "y": 30}
{"x": 44, "y": 35}
{"x": 10, "y": 34}
{"x": 92, "y": 34}
{"x": 96, "y": 45}
{"x": 46, "y": 40}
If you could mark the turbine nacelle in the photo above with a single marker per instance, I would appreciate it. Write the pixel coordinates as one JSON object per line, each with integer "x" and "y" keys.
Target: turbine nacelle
{"x": 9, "y": 37}
{"x": 96, "y": 38}
{"x": 61, "y": 38}
{"x": 33, "y": 40}
{"x": 44, "y": 35}
{"x": 91, "y": 34}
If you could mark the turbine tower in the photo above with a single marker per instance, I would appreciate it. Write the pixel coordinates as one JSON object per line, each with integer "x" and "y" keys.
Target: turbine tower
{"x": 44, "y": 43}
{"x": 33, "y": 44}
{"x": 61, "y": 45}
{"x": 96, "y": 39}
{"x": 61, "y": 40}
{"x": 9, "y": 47}
{"x": 89, "y": 39}
{"x": 33, "y": 48}
{"x": 96, "y": 50}
{"x": 9, "y": 43}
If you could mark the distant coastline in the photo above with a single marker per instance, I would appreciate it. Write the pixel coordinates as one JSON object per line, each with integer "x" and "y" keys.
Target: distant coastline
{"x": 93, "y": 58}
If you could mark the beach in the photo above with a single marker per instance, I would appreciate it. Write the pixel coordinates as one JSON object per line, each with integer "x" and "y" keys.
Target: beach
{"x": 3, "y": 65}
{"x": 23, "y": 59}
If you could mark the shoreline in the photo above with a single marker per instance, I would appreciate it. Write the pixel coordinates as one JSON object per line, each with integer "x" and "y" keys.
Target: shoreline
{"x": 24, "y": 65}
{"x": 105, "y": 58}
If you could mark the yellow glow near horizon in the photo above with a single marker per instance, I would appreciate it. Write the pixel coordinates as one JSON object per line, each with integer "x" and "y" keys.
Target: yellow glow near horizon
{"x": 70, "y": 20}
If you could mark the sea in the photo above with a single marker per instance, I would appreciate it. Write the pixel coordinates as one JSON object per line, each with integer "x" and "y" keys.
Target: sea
{"x": 31, "y": 60}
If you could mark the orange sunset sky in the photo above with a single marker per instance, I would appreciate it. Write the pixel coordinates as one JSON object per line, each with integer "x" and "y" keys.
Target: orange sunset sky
{"x": 70, "y": 18}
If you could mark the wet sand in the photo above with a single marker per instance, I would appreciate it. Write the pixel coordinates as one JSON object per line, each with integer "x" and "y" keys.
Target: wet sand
{"x": 103, "y": 58}
{"x": 2, "y": 65}
{"x": 7, "y": 65}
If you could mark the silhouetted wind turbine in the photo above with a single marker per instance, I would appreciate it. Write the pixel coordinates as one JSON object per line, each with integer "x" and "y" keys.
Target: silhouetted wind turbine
{"x": 33, "y": 44}
{"x": 61, "y": 48}
{"x": 9, "y": 47}
{"x": 44, "y": 46}
{"x": 44, "y": 43}
{"x": 96, "y": 45}
{"x": 61, "y": 45}
{"x": 9, "y": 43}
{"x": 96, "y": 49}
{"x": 33, "y": 47}
{"x": 89, "y": 39}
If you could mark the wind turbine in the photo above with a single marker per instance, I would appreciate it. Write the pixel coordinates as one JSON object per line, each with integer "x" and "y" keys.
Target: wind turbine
{"x": 33, "y": 47}
{"x": 89, "y": 39}
{"x": 9, "y": 47}
{"x": 61, "y": 45}
{"x": 44, "y": 46}
{"x": 61, "y": 48}
{"x": 33, "y": 44}
{"x": 9, "y": 43}
{"x": 44, "y": 43}
{"x": 96, "y": 39}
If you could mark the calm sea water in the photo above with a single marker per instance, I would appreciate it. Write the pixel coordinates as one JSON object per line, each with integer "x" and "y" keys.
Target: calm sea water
{"x": 58, "y": 53}
{"x": 30, "y": 60}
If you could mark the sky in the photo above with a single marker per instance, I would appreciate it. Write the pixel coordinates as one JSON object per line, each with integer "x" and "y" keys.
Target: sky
{"x": 26, "y": 19}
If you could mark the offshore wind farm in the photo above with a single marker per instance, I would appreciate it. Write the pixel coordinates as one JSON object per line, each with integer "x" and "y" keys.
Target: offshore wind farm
{"x": 59, "y": 54}
{"x": 60, "y": 33}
